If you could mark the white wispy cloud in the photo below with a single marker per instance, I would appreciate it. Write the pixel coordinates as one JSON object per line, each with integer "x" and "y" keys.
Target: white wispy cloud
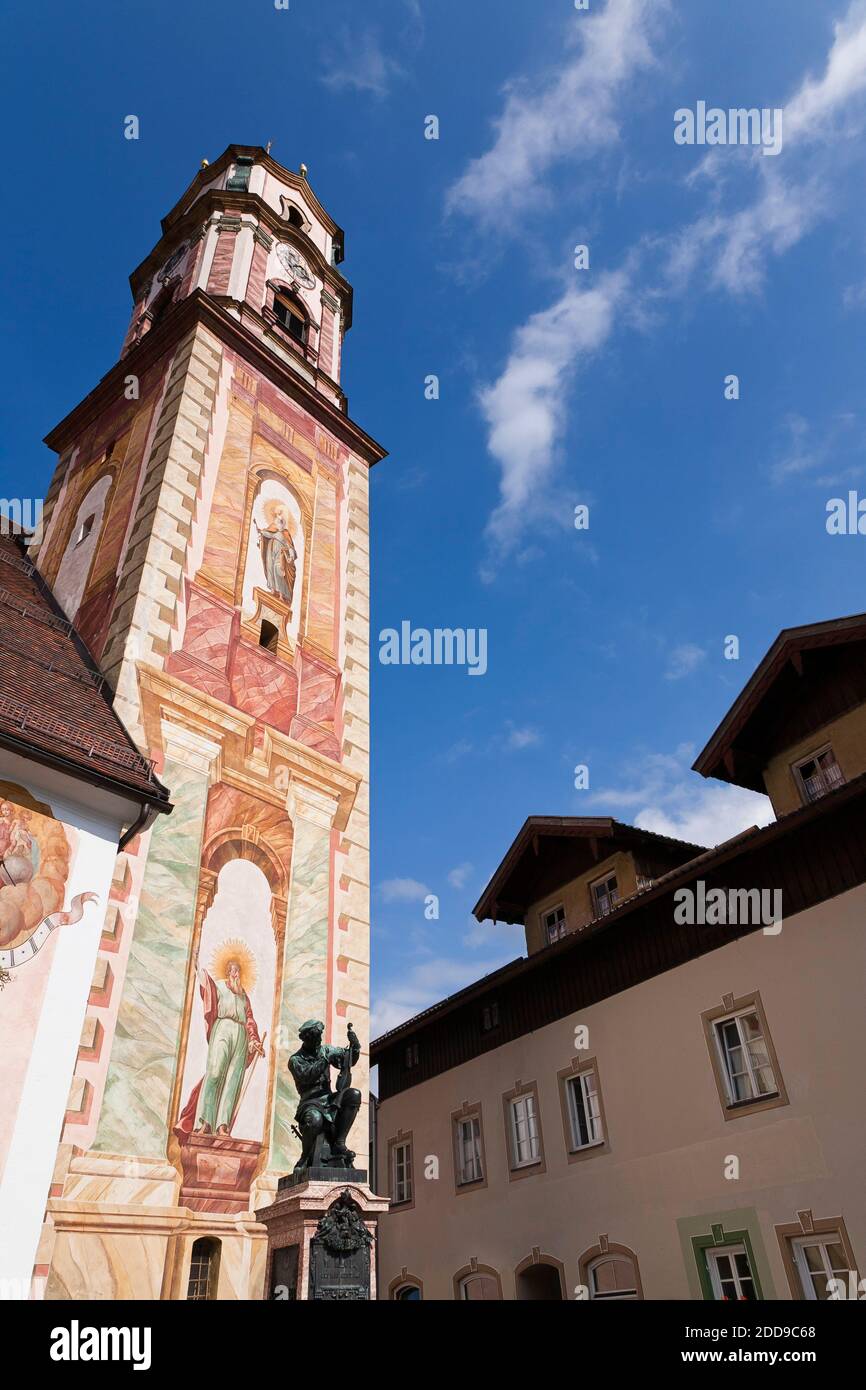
{"x": 525, "y": 409}
{"x": 813, "y": 110}
{"x": 661, "y": 793}
{"x": 821, "y": 454}
{"x": 403, "y": 890}
{"x": 358, "y": 60}
{"x": 428, "y": 983}
{"x": 726, "y": 247}
{"x": 571, "y": 113}
{"x": 683, "y": 660}
{"x": 517, "y": 739}
{"x": 459, "y": 877}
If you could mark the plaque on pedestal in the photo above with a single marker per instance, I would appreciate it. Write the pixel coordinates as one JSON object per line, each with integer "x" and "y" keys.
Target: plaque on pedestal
{"x": 322, "y": 1240}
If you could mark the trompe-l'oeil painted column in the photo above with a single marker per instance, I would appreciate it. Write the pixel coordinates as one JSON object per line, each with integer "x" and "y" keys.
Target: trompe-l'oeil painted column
{"x": 135, "y": 1111}
{"x": 305, "y": 962}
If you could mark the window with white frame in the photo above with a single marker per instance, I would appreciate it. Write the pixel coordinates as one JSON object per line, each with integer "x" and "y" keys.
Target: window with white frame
{"x": 401, "y": 1172}
{"x": 525, "y": 1141}
{"x": 469, "y": 1165}
{"x": 746, "y": 1063}
{"x": 554, "y": 924}
{"x": 818, "y": 1260}
{"x": 731, "y": 1275}
{"x": 612, "y": 1278}
{"x": 818, "y": 774}
{"x": 605, "y": 894}
{"x": 584, "y": 1110}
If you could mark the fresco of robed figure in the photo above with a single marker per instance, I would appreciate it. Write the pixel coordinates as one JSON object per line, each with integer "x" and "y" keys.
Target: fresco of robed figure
{"x": 279, "y": 556}
{"x": 233, "y": 1043}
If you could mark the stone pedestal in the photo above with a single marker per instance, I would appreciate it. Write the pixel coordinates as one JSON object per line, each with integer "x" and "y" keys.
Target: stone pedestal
{"x": 217, "y": 1172}
{"x": 322, "y": 1237}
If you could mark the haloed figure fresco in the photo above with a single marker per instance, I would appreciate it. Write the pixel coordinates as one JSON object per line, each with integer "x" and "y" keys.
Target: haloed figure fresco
{"x": 279, "y": 556}
{"x": 233, "y": 1043}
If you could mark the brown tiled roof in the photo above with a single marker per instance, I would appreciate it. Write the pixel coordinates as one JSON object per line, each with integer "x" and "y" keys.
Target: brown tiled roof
{"x": 54, "y": 701}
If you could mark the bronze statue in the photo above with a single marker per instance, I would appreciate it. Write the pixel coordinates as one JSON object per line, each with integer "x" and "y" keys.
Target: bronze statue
{"x": 324, "y": 1117}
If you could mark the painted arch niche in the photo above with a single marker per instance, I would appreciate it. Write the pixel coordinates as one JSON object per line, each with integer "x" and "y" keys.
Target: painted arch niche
{"x": 80, "y": 548}
{"x": 274, "y": 565}
{"x": 226, "y": 1078}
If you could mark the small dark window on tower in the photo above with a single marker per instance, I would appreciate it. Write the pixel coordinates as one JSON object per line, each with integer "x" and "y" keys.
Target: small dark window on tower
{"x": 269, "y": 636}
{"x": 85, "y": 529}
{"x": 295, "y": 217}
{"x": 239, "y": 179}
{"x": 287, "y": 314}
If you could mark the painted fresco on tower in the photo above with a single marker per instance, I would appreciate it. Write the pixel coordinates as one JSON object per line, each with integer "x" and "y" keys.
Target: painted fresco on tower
{"x": 274, "y": 567}
{"x": 35, "y": 860}
{"x": 226, "y": 1074}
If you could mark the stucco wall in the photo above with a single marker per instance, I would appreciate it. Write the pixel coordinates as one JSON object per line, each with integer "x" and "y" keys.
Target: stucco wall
{"x": 669, "y": 1140}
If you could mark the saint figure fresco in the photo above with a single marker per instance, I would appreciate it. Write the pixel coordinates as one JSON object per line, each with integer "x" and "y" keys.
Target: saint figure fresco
{"x": 279, "y": 556}
{"x": 233, "y": 1043}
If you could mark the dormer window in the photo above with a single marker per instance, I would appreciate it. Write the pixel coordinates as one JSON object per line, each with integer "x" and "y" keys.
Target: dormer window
{"x": 818, "y": 775}
{"x": 605, "y": 895}
{"x": 554, "y": 924}
{"x": 239, "y": 179}
{"x": 287, "y": 312}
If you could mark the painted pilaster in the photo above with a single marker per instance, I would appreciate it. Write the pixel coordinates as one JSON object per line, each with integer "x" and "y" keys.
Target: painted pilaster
{"x": 135, "y": 1110}
{"x": 306, "y": 957}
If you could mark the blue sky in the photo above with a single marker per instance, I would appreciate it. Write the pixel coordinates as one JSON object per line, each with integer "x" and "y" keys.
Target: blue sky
{"x": 557, "y": 386}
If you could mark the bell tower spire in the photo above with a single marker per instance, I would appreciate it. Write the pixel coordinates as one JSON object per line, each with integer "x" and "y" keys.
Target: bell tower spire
{"x": 207, "y": 532}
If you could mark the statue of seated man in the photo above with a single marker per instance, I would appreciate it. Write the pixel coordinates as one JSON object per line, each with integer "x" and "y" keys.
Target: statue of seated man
{"x": 324, "y": 1117}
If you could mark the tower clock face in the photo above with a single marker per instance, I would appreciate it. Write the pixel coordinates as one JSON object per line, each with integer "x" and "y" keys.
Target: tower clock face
{"x": 294, "y": 265}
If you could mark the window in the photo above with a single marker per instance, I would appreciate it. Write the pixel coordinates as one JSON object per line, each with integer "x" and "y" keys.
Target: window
{"x": 818, "y": 1260}
{"x": 554, "y": 924}
{"x": 479, "y": 1285}
{"x": 744, "y": 1062}
{"x": 401, "y": 1172}
{"x": 490, "y": 1017}
{"x": 203, "y": 1270}
{"x": 295, "y": 217}
{"x": 816, "y": 1253}
{"x": 85, "y": 529}
{"x": 288, "y": 314}
{"x": 239, "y": 179}
{"x": 731, "y": 1275}
{"x": 747, "y": 1067}
{"x": 411, "y": 1055}
{"x": 525, "y": 1144}
{"x": 407, "y": 1293}
{"x": 584, "y": 1110}
{"x": 469, "y": 1164}
{"x": 613, "y": 1277}
{"x": 604, "y": 895}
{"x": 818, "y": 775}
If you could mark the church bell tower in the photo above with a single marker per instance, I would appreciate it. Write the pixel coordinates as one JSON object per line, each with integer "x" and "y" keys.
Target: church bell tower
{"x": 206, "y": 531}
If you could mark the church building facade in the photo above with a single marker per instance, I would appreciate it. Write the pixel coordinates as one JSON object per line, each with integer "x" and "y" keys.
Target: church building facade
{"x": 206, "y": 531}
